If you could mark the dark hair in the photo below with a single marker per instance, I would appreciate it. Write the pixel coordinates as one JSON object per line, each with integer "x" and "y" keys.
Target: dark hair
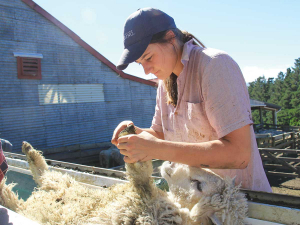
{"x": 171, "y": 82}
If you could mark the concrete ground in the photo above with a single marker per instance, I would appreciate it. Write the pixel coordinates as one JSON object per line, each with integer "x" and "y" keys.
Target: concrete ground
{"x": 289, "y": 186}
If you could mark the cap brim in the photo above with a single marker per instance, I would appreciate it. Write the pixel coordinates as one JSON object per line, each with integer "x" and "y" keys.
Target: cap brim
{"x": 133, "y": 52}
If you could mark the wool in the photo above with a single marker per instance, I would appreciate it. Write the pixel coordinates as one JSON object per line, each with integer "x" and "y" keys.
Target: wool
{"x": 59, "y": 199}
{"x": 196, "y": 196}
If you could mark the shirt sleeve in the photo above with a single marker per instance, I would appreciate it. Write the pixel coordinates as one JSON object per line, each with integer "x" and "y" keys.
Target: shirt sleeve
{"x": 3, "y": 163}
{"x": 225, "y": 95}
{"x": 156, "y": 121}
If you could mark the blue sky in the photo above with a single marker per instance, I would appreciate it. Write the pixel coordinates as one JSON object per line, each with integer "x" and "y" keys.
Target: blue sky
{"x": 262, "y": 36}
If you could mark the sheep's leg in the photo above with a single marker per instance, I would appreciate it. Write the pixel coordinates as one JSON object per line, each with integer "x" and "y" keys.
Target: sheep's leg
{"x": 36, "y": 162}
{"x": 139, "y": 174}
{"x": 8, "y": 198}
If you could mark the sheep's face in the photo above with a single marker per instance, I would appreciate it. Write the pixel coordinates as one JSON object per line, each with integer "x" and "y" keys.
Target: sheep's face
{"x": 189, "y": 184}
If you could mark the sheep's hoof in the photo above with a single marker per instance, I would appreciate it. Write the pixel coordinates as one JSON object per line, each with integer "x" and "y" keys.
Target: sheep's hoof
{"x": 26, "y": 147}
{"x": 128, "y": 130}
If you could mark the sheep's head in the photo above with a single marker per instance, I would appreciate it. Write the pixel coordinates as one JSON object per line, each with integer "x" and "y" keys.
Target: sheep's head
{"x": 204, "y": 193}
{"x": 190, "y": 184}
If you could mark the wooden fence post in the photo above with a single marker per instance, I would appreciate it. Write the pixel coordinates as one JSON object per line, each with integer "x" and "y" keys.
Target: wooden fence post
{"x": 297, "y": 140}
{"x": 273, "y": 142}
{"x": 258, "y": 142}
{"x": 294, "y": 140}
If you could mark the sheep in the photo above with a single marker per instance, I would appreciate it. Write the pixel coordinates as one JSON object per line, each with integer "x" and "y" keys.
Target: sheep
{"x": 61, "y": 200}
{"x": 207, "y": 196}
{"x": 197, "y": 196}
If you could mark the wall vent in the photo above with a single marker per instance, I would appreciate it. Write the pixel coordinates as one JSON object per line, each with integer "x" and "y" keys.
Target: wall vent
{"x": 29, "y": 65}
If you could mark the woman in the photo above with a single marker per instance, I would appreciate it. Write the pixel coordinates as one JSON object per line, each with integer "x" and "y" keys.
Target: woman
{"x": 202, "y": 115}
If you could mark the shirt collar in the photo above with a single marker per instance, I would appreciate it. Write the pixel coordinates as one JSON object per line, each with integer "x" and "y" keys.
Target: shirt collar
{"x": 187, "y": 48}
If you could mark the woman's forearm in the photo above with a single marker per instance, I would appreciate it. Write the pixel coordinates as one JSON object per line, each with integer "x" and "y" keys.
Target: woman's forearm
{"x": 217, "y": 154}
{"x": 230, "y": 152}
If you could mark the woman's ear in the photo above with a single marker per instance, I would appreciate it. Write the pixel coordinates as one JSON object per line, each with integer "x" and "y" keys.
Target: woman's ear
{"x": 170, "y": 36}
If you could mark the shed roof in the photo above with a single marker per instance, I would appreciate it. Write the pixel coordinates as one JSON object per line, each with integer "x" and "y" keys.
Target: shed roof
{"x": 259, "y": 104}
{"x": 86, "y": 46}
{"x": 155, "y": 80}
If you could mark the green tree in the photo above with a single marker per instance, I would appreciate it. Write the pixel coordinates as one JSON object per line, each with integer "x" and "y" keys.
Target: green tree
{"x": 283, "y": 91}
{"x": 259, "y": 89}
{"x": 276, "y": 89}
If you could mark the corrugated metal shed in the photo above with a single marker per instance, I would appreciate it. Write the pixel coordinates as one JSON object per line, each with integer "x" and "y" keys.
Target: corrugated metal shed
{"x": 81, "y": 97}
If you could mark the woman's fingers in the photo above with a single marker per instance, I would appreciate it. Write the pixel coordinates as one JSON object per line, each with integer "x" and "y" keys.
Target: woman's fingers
{"x": 132, "y": 146}
{"x": 114, "y": 141}
{"x": 125, "y": 152}
{"x": 115, "y": 136}
{"x": 130, "y": 138}
{"x": 146, "y": 158}
{"x": 119, "y": 128}
{"x": 133, "y": 156}
{"x": 129, "y": 160}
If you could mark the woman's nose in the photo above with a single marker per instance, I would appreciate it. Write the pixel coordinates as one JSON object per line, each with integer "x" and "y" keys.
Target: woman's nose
{"x": 148, "y": 69}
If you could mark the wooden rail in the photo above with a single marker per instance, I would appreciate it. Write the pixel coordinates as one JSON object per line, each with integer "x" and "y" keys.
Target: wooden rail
{"x": 281, "y": 162}
{"x": 285, "y": 128}
{"x": 289, "y": 140}
{"x": 280, "y": 153}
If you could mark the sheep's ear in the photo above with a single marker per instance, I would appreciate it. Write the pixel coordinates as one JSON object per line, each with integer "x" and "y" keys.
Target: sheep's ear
{"x": 215, "y": 219}
{"x": 195, "y": 212}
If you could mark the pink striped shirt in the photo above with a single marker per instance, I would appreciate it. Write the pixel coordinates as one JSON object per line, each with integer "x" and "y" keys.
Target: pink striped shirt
{"x": 212, "y": 101}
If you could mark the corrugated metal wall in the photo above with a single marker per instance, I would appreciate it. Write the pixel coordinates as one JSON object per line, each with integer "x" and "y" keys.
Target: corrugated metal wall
{"x": 24, "y": 117}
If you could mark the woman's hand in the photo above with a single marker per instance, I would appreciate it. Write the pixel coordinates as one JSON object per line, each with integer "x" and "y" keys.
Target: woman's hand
{"x": 119, "y": 128}
{"x": 137, "y": 147}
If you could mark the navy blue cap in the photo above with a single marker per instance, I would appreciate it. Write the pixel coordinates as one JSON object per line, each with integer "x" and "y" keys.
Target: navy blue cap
{"x": 139, "y": 28}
